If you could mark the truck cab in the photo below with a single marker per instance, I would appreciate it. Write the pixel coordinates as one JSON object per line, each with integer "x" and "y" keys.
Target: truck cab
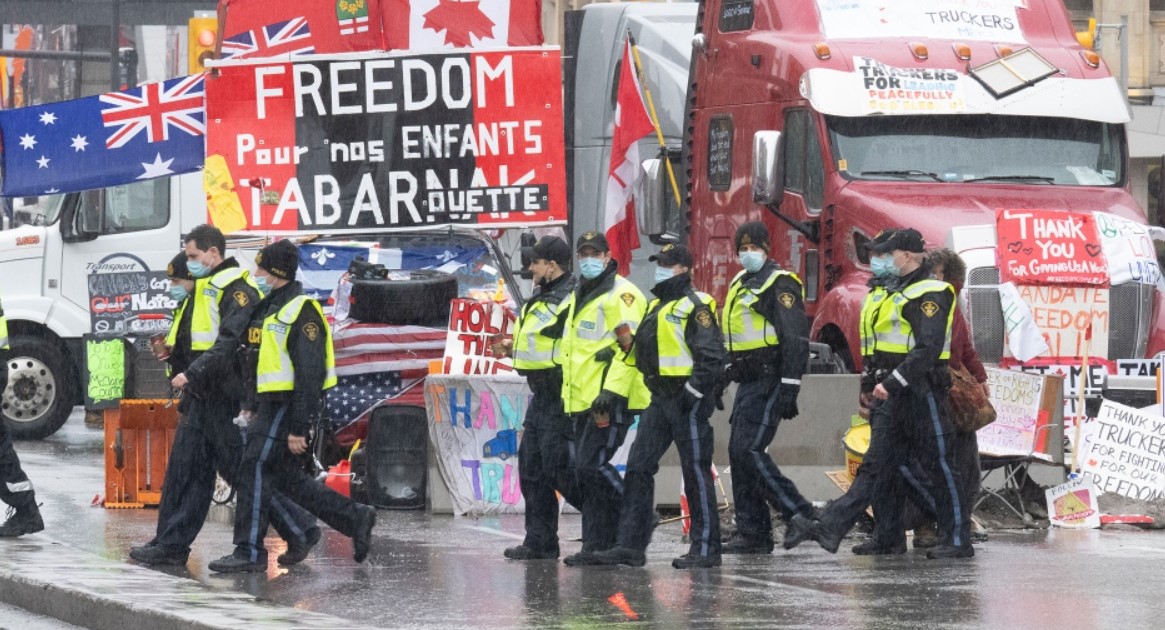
{"x": 831, "y": 121}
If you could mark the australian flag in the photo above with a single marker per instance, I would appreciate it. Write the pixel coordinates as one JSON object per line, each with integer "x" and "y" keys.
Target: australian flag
{"x": 153, "y": 130}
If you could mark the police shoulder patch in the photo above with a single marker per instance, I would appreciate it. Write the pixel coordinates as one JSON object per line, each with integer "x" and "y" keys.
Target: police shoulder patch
{"x": 242, "y": 298}
{"x": 628, "y": 298}
{"x": 704, "y": 318}
{"x": 311, "y": 330}
{"x": 929, "y": 308}
{"x": 787, "y": 300}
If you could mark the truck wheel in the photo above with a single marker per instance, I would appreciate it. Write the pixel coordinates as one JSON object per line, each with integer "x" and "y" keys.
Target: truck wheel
{"x": 420, "y": 299}
{"x": 36, "y": 402}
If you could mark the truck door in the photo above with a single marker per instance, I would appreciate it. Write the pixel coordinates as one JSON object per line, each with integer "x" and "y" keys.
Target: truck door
{"x": 120, "y": 229}
{"x": 803, "y": 200}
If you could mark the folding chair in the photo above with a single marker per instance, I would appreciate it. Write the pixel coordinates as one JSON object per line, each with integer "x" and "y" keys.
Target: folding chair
{"x": 1015, "y": 471}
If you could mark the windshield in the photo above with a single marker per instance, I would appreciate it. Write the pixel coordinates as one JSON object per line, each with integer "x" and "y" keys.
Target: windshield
{"x": 1023, "y": 149}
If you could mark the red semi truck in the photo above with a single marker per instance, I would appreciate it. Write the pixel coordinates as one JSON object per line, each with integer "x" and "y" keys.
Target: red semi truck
{"x": 831, "y": 120}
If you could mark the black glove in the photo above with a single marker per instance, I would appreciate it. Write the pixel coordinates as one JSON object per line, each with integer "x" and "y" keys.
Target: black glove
{"x": 787, "y": 401}
{"x": 732, "y": 373}
{"x": 607, "y": 402}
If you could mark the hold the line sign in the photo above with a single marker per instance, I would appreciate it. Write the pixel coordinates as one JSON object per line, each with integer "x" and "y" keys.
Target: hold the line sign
{"x": 365, "y": 141}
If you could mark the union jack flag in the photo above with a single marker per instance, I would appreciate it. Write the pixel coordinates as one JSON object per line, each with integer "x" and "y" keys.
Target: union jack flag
{"x": 292, "y": 37}
{"x": 155, "y": 108}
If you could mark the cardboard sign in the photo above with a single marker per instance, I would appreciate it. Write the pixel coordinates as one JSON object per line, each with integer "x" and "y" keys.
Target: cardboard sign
{"x": 132, "y": 302}
{"x": 1129, "y": 249}
{"x": 903, "y": 90}
{"x": 1049, "y": 247}
{"x": 1125, "y": 452}
{"x": 1063, "y": 314}
{"x": 1023, "y": 406}
{"x": 364, "y": 142}
{"x": 471, "y": 326}
{"x": 982, "y": 20}
{"x": 105, "y": 371}
{"x": 475, "y": 424}
{"x": 1073, "y": 380}
{"x": 1072, "y": 505}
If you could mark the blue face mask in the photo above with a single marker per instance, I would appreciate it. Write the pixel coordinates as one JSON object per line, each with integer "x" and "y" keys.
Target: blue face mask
{"x": 752, "y": 261}
{"x": 591, "y": 268}
{"x": 197, "y": 269}
{"x": 663, "y": 274}
{"x": 178, "y": 292}
{"x": 883, "y": 267}
{"x": 264, "y": 284}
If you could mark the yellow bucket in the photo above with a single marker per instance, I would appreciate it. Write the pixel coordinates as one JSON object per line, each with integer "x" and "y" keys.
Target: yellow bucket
{"x": 856, "y": 441}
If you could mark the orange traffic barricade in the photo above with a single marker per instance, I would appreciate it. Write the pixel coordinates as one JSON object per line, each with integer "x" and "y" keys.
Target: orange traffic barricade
{"x": 138, "y": 436}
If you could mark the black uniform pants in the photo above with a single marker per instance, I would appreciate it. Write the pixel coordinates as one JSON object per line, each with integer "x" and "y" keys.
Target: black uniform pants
{"x": 544, "y": 467}
{"x": 663, "y": 422}
{"x": 914, "y": 424}
{"x": 755, "y": 478}
{"x": 15, "y": 488}
{"x": 597, "y": 483}
{"x": 207, "y": 441}
{"x": 268, "y": 465}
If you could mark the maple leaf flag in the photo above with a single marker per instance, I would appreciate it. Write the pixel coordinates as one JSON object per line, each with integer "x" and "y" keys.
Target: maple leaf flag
{"x": 436, "y": 24}
{"x": 631, "y": 124}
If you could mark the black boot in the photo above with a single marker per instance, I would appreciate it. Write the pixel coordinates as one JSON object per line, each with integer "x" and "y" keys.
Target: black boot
{"x": 950, "y": 551}
{"x": 800, "y": 529}
{"x": 692, "y": 561}
{"x": 154, "y": 554}
{"x": 744, "y": 545}
{"x": 21, "y": 521}
{"x": 622, "y": 555}
{"x": 522, "y": 552}
{"x": 362, "y": 538}
{"x": 297, "y": 550}
{"x": 874, "y": 548}
{"x": 235, "y": 564}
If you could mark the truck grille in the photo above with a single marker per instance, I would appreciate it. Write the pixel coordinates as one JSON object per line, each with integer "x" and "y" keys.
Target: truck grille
{"x": 1130, "y": 310}
{"x": 984, "y": 313}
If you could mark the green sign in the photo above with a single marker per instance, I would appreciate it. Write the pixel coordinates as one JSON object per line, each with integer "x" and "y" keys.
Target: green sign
{"x": 105, "y": 365}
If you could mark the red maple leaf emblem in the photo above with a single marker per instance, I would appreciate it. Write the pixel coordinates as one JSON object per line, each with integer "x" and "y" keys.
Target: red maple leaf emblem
{"x": 459, "y": 20}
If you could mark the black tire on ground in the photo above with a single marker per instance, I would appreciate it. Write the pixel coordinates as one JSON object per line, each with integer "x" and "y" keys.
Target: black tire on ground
{"x": 421, "y": 300}
{"x": 37, "y": 402}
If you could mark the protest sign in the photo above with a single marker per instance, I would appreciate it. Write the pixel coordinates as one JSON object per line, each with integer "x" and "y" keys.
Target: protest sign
{"x": 472, "y": 326}
{"x": 105, "y": 371}
{"x": 1063, "y": 315}
{"x": 1023, "y": 407}
{"x": 368, "y": 141}
{"x": 1129, "y": 250}
{"x": 982, "y": 20}
{"x": 1125, "y": 452}
{"x": 475, "y": 424}
{"x": 131, "y": 302}
{"x": 1024, "y": 338}
{"x": 1072, "y": 505}
{"x": 1049, "y": 247}
{"x": 902, "y": 90}
{"x": 1098, "y": 369}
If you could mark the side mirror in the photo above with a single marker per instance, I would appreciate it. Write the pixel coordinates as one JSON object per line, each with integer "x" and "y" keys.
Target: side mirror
{"x": 768, "y": 168}
{"x": 92, "y": 217}
{"x": 650, "y": 199}
{"x": 526, "y": 239}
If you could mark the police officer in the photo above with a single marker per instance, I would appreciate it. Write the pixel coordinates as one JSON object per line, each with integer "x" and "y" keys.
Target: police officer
{"x": 217, "y": 299}
{"x": 15, "y": 488}
{"x": 841, "y": 514}
{"x": 680, "y": 352}
{"x": 600, "y": 394}
{"x": 289, "y": 348}
{"x": 767, "y": 335}
{"x": 912, "y": 336}
{"x": 543, "y": 461}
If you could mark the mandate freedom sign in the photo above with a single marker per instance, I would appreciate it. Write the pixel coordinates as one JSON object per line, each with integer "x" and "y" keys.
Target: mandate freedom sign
{"x": 366, "y": 141}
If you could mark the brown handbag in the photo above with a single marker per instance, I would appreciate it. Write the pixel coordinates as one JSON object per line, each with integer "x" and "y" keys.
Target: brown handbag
{"x": 971, "y": 410}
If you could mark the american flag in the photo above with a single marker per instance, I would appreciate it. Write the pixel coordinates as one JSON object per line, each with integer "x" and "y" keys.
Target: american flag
{"x": 155, "y": 108}
{"x": 292, "y": 37}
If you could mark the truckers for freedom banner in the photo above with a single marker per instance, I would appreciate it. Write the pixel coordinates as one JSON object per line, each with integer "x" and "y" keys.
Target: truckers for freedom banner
{"x": 359, "y": 142}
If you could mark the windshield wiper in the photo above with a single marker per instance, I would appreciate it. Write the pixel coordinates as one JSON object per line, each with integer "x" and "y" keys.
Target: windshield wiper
{"x": 906, "y": 173}
{"x": 1014, "y": 178}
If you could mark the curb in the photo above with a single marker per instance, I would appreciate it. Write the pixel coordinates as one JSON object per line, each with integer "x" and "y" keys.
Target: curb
{"x": 50, "y": 578}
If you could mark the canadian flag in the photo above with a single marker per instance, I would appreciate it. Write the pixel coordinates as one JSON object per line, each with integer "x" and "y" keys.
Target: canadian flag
{"x": 436, "y": 24}
{"x": 631, "y": 124}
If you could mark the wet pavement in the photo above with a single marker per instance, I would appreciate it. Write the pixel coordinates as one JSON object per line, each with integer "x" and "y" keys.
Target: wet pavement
{"x": 440, "y": 571}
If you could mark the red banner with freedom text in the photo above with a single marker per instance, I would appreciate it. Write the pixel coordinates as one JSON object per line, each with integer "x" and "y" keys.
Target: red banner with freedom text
{"x": 385, "y": 140}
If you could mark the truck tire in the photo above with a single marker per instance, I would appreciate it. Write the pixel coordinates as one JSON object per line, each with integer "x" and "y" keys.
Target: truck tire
{"x": 36, "y": 403}
{"x": 420, "y": 299}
